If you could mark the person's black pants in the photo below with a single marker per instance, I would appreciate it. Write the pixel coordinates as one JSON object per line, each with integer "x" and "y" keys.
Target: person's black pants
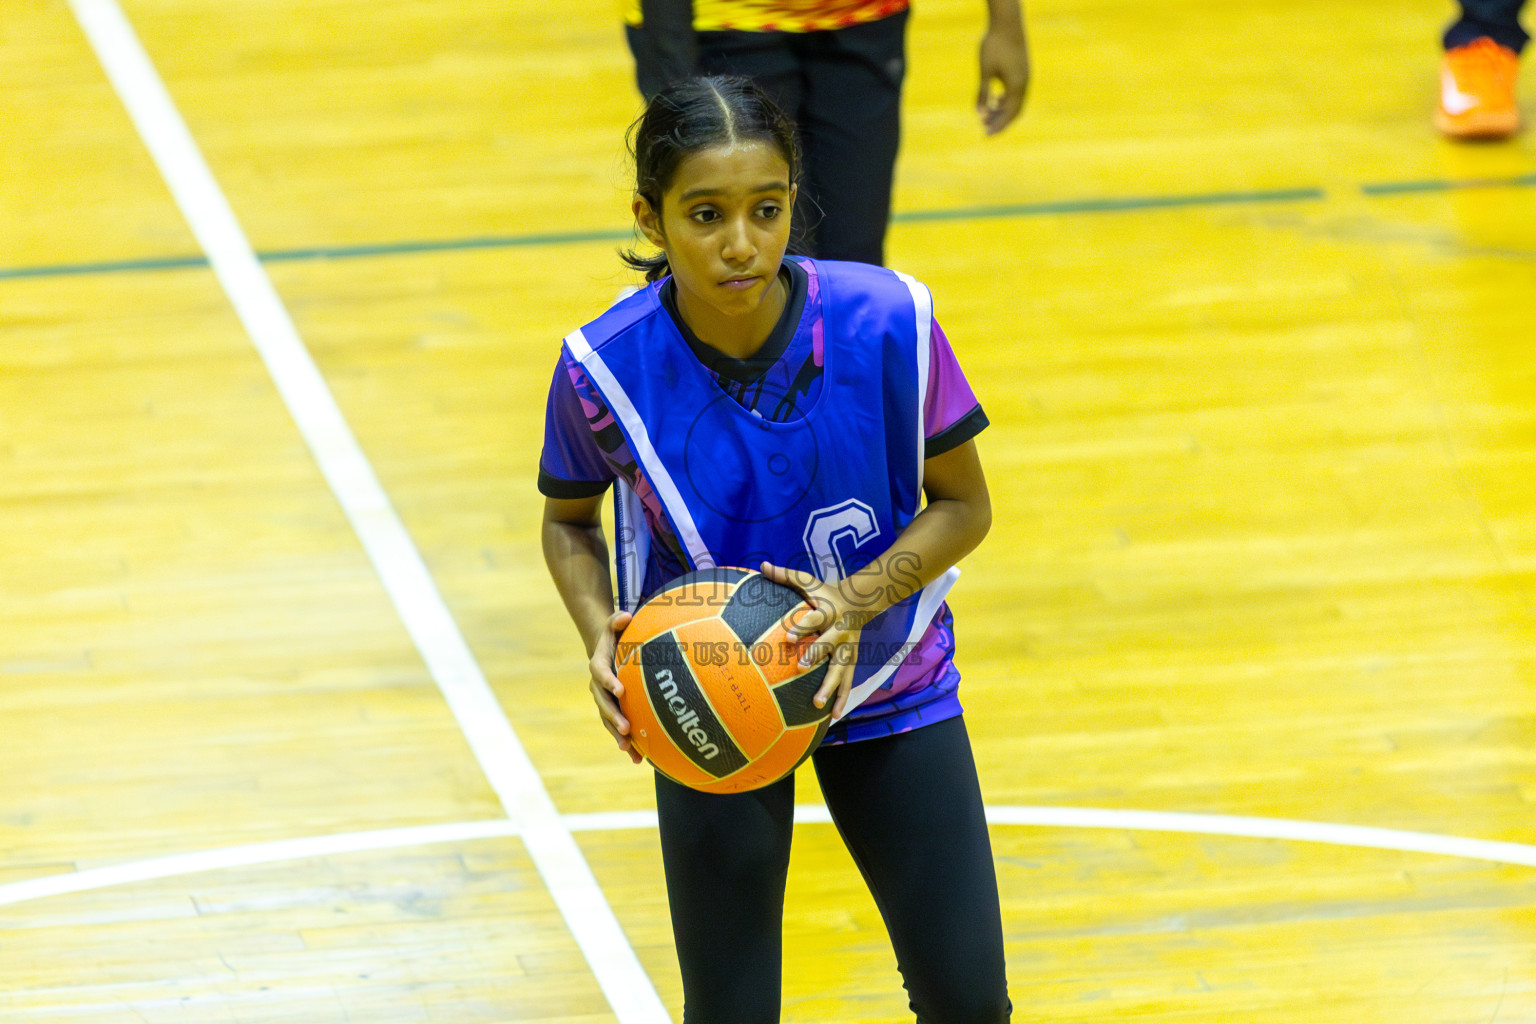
{"x": 843, "y": 89}
{"x": 909, "y": 809}
{"x": 1499, "y": 20}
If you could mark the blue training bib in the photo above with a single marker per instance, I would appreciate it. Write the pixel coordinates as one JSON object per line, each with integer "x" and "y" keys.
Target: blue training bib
{"x": 827, "y": 492}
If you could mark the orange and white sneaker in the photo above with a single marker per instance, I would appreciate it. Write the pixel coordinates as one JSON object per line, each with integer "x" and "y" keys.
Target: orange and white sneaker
{"x": 1477, "y": 92}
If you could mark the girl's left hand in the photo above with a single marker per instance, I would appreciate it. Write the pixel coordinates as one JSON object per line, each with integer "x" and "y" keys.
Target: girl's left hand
{"x": 835, "y": 623}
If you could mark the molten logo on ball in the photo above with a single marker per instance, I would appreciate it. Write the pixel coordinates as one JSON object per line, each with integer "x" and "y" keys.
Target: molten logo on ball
{"x": 686, "y": 717}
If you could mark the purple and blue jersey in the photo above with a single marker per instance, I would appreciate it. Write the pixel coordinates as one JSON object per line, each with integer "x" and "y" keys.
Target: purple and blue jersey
{"x": 726, "y": 459}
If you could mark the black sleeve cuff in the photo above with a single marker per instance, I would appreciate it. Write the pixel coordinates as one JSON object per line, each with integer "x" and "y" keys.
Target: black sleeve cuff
{"x": 555, "y": 487}
{"x": 957, "y": 433}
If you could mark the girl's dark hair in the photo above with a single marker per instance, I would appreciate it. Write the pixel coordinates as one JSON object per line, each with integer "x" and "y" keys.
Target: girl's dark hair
{"x": 697, "y": 114}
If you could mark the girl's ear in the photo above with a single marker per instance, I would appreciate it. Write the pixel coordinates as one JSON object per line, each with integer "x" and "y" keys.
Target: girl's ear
{"x": 648, "y": 220}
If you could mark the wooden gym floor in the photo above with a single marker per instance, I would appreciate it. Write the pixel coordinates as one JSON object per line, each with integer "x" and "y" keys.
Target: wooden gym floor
{"x": 293, "y": 729}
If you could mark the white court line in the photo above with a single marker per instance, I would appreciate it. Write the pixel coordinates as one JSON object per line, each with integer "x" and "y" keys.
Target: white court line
{"x": 1268, "y": 828}
{"x": 1164, "y": 821}
{"x": 352, "y": 480}
{"x": 278, "y": 852}
{"x": 91, "y": 879}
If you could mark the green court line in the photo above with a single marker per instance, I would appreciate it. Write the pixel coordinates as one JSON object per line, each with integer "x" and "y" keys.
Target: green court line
{"x": 971, "y": 213}
{"x": 449, "y": 245}
{"x": 1107, "y": 205}
{"x": 1392, "y": 188}
{"x": 116, "y": 267}
{"x": 324, "y": 253}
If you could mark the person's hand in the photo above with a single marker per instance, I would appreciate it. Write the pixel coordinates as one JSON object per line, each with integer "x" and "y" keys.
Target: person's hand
{"x": 835, "y": 623}
{"x": 606, "y": 688}
{"x": 1004, "y": 78}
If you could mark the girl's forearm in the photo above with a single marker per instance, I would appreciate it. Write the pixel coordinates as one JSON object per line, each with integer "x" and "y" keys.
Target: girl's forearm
{"x": 577, "y": 556}
{"x": 1006, "y": 16}
{"x": 945, "y": 531}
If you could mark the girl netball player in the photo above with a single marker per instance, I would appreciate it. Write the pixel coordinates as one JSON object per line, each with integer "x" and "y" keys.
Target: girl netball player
{"x": 807, "y": 417}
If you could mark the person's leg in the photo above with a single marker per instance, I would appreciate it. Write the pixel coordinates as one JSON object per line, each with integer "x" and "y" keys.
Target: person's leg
{"x": 1498, "y": 20}
{"x": 649, "y": 77}
{"x": 850, "y": 125}
{"x": 664, "y": 45}
{"x": 909, "y": 808}
{"x": 726, "y": 859}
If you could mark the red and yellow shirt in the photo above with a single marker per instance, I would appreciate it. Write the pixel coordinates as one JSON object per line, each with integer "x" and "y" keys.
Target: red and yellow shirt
{"x": 779, "y": 15}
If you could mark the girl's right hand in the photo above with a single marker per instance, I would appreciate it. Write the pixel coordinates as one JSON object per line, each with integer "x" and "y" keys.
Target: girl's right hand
{"x": 606, "y": 688}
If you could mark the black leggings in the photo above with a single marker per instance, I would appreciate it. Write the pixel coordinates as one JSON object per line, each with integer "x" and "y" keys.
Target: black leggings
{"x": 909, "y": 809}
{"x": 1499, "y": 20}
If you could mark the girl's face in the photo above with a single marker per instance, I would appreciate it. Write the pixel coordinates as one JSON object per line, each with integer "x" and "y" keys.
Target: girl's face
{"x": 724, "y": 225}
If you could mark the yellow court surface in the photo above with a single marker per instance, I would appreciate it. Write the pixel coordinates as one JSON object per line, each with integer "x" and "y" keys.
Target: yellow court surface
{"x": 293, "y": 726}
